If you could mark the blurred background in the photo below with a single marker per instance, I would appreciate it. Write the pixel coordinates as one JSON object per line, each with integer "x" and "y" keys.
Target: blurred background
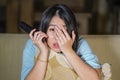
{"x": 93, "y": 16}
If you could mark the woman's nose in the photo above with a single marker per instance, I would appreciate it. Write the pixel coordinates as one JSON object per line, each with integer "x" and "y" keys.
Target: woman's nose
{"x": 52, "y": 35}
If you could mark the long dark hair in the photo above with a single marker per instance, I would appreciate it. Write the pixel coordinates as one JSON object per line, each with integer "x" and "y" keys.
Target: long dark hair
{"x": 66, "y": 15}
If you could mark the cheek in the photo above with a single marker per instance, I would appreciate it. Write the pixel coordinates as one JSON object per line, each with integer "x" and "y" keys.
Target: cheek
{"x": 51, "y": 35}
{"x": 50, "y": 40}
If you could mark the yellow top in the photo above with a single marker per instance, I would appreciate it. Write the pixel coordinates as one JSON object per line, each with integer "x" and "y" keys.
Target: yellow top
{"x": 58, "y": 68}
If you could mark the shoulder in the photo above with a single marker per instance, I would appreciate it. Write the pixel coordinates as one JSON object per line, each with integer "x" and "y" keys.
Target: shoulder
{"x": 86, "y": 53}
{"x": 83, "y": 45}
{"x": 28, "y": 58}
{"x": 29, "y": 42}
{"x": 29, "y": 48}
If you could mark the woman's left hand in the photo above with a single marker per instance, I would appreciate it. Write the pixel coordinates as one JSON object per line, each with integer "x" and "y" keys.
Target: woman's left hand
{"x": 64, "y": 40}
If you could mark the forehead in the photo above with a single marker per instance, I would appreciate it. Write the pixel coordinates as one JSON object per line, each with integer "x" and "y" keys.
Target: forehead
{"x": 57, "y": 21}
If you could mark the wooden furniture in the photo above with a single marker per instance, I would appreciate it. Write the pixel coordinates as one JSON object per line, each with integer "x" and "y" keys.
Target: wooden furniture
{"x": 24, "y": 10}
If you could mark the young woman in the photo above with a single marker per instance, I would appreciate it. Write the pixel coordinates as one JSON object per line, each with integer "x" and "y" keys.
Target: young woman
{"x": 62, "y": 55}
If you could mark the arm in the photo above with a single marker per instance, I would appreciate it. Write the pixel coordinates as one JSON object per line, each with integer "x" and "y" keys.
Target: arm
{"x": 31, "y": 70}
{"x": 38, "y": 69}
{"x": 84, "y": 71}
{"x": 87, "y": 66}
{"x": 85, "y": 52}
{"x": 27, "y": 59}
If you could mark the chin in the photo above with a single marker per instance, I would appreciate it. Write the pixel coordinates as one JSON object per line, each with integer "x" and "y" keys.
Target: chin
{"x": 57, "y": 50}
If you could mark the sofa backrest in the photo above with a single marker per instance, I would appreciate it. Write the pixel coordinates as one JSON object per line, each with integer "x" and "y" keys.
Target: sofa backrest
{"x": 11, "y": 46}
{"x": 106, "y": 47}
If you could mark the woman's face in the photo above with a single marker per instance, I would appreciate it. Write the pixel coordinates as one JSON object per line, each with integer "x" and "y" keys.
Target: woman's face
{"x": 52, "y": 42}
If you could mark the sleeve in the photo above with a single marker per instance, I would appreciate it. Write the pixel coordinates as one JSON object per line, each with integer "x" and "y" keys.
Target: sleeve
{"x": 85, "y": 52}
{"x": 27, "y": 59}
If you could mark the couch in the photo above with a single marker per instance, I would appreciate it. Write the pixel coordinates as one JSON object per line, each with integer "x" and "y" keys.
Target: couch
{"x": 106, "y": 47}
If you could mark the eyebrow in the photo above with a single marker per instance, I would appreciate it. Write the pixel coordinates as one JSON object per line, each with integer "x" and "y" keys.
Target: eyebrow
{"x": 55, "y": 25}
{"x": 52, "y": 25}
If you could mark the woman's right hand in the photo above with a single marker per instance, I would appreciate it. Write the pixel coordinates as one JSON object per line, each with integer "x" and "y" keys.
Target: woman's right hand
{"x": 37, "y": 40}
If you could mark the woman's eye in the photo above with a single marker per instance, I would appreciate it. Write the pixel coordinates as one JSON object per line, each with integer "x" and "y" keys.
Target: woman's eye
{"x": 52, "y": 30}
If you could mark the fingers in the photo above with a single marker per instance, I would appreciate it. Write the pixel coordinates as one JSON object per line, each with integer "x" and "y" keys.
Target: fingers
{"x": 31, "y": 33}
{"x": 73, "y": 36}
{"x": 59, "y": 34}
{"x": 62, "y": 35}
{"x": 67, "y": 35}
{"x": 65, "y": 32}
{"x": 38, "y": 36}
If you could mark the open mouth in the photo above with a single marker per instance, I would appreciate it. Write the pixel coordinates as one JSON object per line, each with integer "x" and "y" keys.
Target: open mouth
{"x": 55, "y": 45}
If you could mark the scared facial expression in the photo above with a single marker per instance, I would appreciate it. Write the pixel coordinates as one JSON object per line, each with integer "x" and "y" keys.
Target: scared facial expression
{"x": 52, "y": 42}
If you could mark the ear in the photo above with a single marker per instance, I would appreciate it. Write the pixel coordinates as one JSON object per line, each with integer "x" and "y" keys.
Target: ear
{"x": 73, "y": 36}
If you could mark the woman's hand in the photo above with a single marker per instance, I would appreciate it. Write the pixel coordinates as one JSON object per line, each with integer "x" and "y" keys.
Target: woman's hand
{"x": 64, "y": 40}
{"x": 37, "y": 40}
